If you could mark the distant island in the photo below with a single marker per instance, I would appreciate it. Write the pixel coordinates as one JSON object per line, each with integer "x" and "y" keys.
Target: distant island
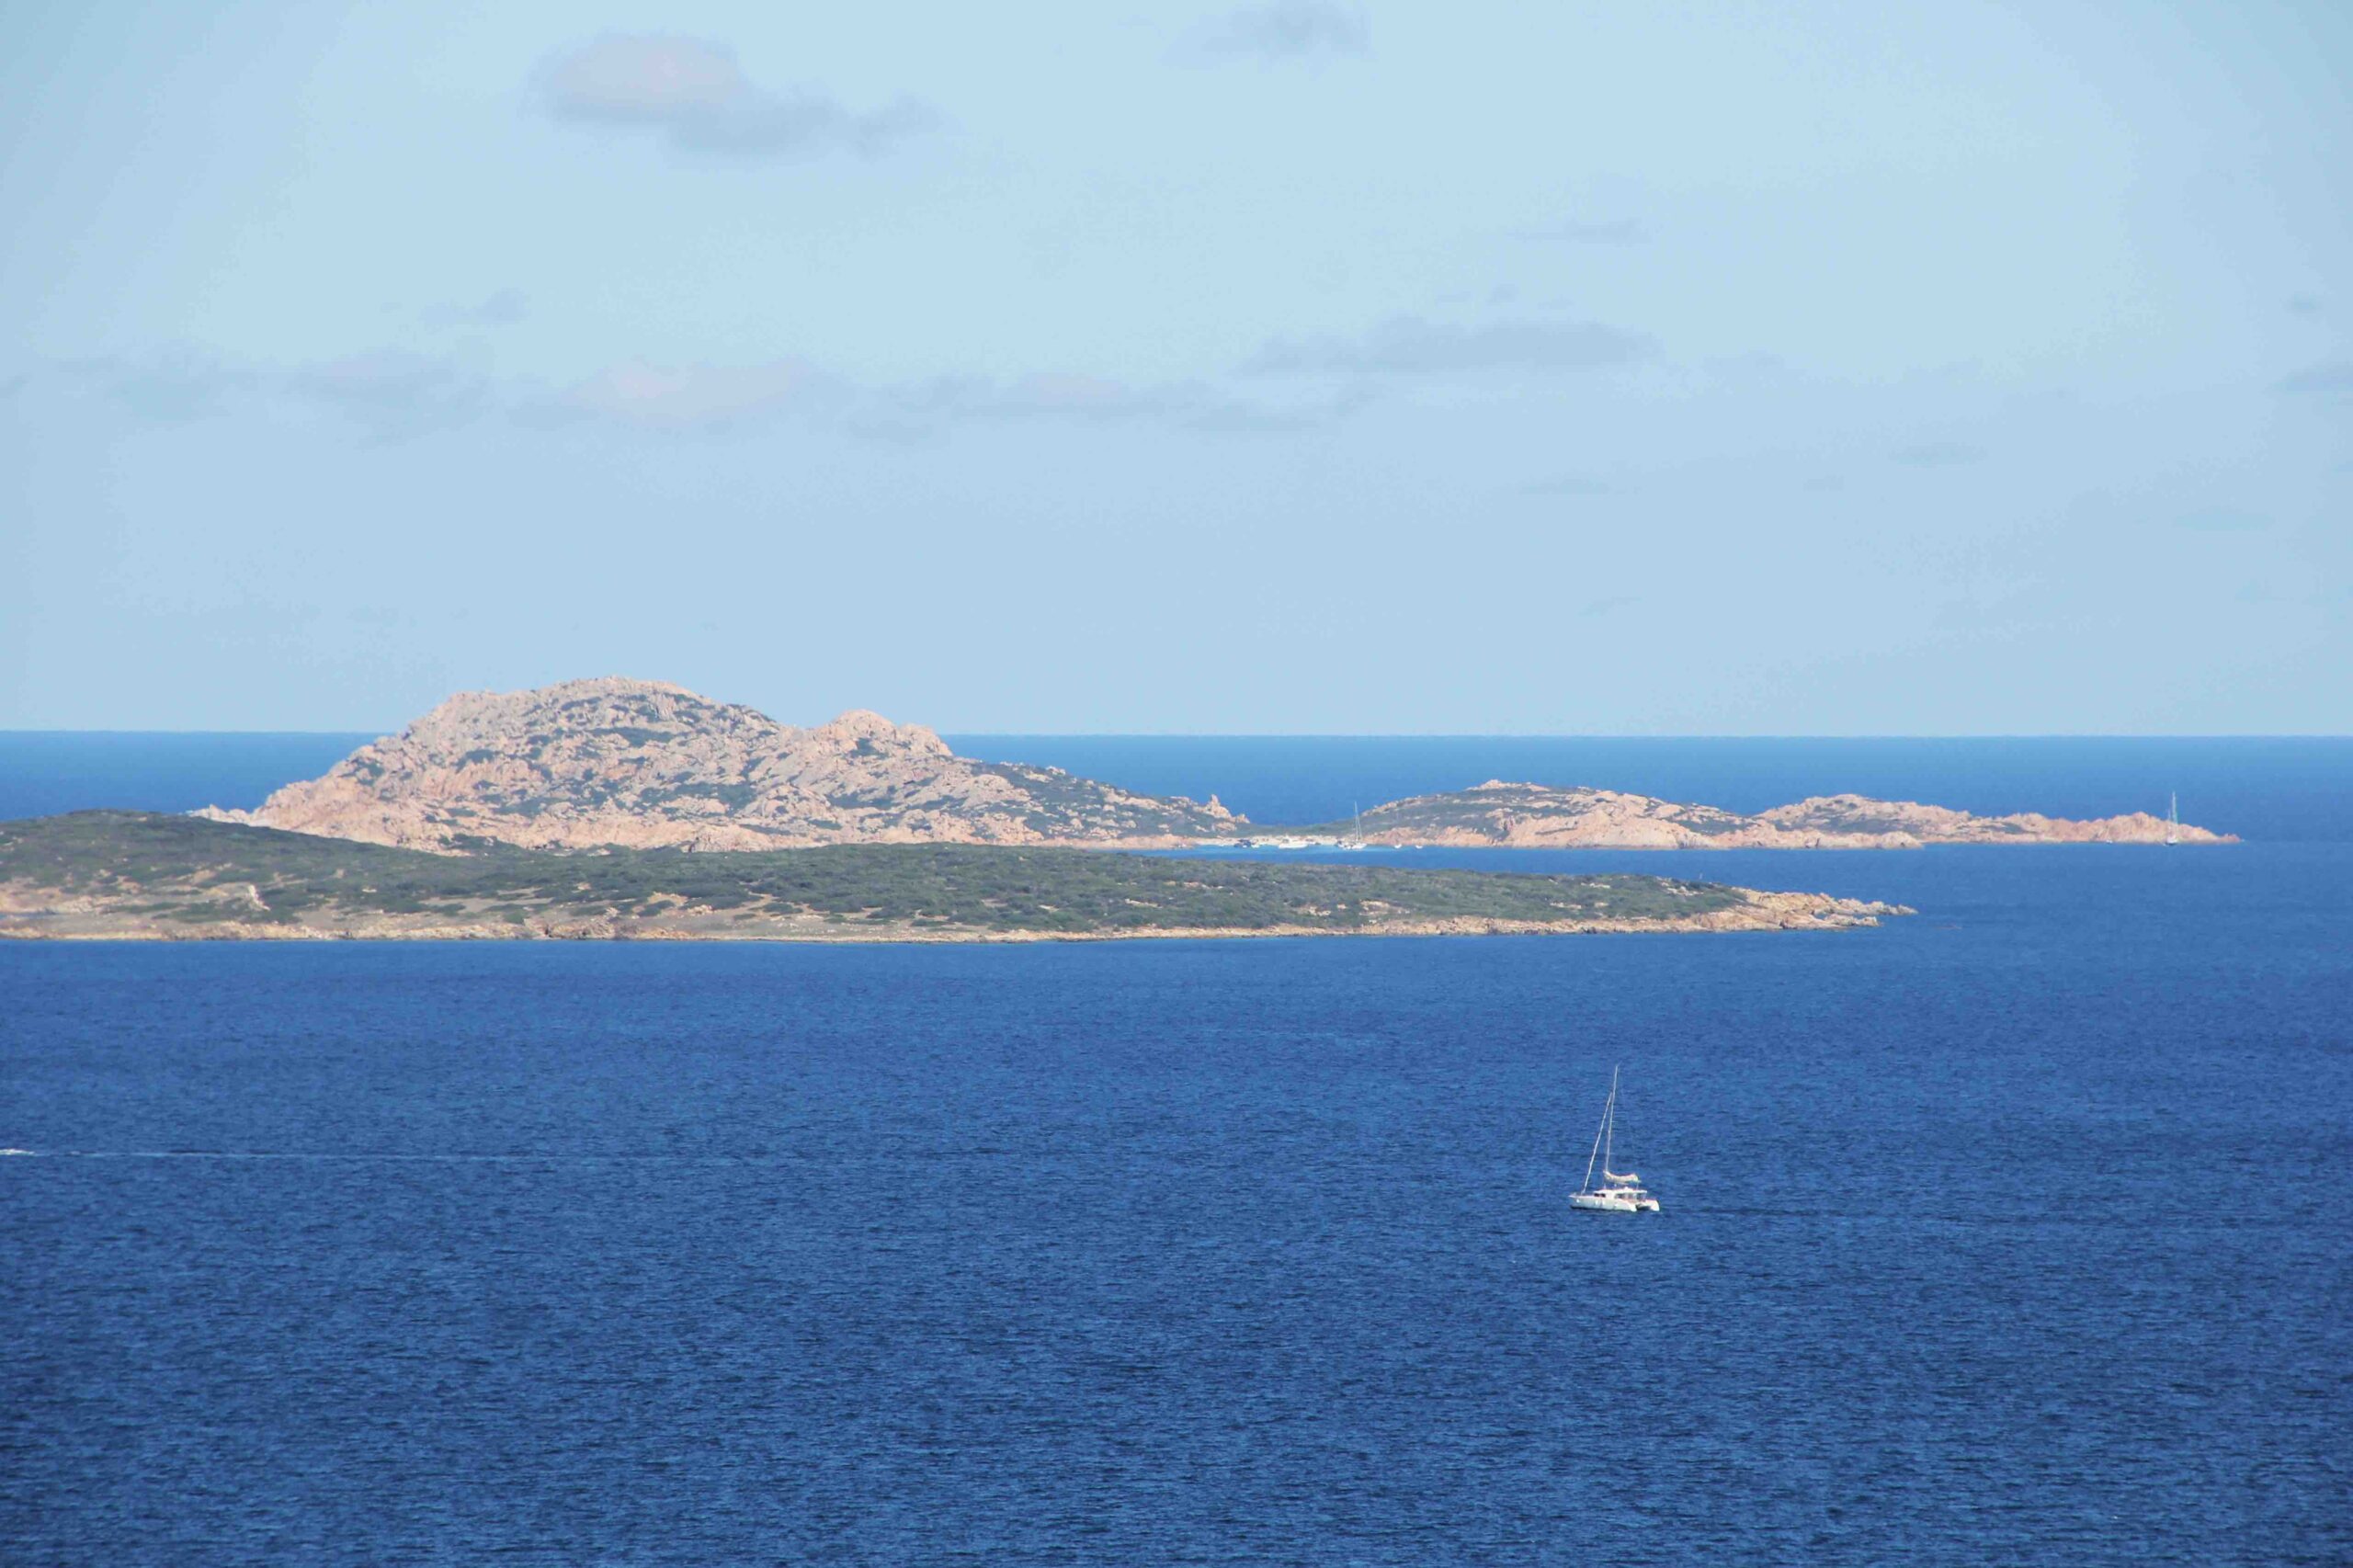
{"x": 642, "y": 764}
{"x": 612, "y": 763}
{"x": 150, "y": 876}
{"x": 1535, "y": 816}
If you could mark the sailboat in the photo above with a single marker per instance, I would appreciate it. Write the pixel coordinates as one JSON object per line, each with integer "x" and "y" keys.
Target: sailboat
{"x": 1618, "y": 1194}
{"x": 2173, "y": 817}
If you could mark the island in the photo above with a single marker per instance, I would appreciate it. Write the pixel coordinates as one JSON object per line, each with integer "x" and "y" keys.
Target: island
{"x": 613, "y": 763}
{"x": 641, "y": 765}
{"x": 151, "y": 876}
{"x": 1537, "y": 817}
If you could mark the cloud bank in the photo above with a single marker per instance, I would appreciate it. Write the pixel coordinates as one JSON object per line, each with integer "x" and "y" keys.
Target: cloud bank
{"x": 391, "y": 393}
{"x": 700, "y": 397}
{"x": 693, "y": 93}
{"x": 1286, "y": 30}
{"x": 397, "y": 393}
{"x": 2330, "y": 376}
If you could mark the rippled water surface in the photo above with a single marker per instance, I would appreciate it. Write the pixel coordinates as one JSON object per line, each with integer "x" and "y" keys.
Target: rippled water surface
{"x": 2015, "y": 1232}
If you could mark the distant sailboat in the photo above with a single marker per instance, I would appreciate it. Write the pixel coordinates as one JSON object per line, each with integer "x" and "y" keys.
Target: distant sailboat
{"x": 1618, "y": 1194}
{"x": 2173, "y": 817}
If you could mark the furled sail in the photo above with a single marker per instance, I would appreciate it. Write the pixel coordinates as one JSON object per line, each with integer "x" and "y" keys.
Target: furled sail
{"x": 1628, "y": 1178}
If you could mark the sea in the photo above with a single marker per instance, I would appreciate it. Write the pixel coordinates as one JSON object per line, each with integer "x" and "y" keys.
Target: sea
{"x": 2016, "y": 1231}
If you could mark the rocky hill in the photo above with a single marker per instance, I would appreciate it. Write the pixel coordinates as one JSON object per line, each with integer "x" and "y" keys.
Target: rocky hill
{"x": 639, "y": 763}
{"x": 1537, "y": 817}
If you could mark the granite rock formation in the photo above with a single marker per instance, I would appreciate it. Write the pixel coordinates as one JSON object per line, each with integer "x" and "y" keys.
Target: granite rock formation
{"x": 1537, "y": 817}
{"x": 636, "y": 764}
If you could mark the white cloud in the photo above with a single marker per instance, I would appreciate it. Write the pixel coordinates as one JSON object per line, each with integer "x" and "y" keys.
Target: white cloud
{"x": 1285, "y": 30}
{"x": 693, "y": 92}
{"x": 684, "y": 397}
{"x": 392, "y": 392}
{"x": 651, "y": 80}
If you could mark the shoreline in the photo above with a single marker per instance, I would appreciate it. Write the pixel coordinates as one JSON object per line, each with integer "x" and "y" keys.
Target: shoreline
{"x": 101, "y": 876}
{"x": 1861, "y": 842}
{"x": 1767, "y": 913}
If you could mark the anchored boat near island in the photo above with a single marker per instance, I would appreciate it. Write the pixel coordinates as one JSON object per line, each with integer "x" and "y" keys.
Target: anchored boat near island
{"x": 1618, "y": 1194}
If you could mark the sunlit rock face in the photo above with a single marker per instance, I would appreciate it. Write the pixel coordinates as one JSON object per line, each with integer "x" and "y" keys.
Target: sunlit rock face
{"x": 1537, "y": 817}
{"x": 645, "y": 763}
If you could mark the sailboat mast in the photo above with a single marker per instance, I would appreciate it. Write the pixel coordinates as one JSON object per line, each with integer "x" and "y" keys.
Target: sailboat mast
{"x": 1609, "y": 1124}
{"x": 1602, "y": 1130}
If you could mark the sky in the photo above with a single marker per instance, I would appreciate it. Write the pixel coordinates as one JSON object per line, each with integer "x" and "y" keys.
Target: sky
{"x": 1625, "y": 367}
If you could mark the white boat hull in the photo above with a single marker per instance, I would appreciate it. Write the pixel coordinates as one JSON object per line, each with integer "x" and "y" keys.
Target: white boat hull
{"x": 1620, "y": 1192}
{"x": 1614, "y": 1202}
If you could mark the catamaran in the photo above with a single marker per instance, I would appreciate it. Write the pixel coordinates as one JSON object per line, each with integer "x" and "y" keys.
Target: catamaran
{"x": 1617, "y": 1193}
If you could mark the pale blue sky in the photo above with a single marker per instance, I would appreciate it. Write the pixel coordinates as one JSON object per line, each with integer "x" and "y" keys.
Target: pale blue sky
{"x": 1633, "y": 368}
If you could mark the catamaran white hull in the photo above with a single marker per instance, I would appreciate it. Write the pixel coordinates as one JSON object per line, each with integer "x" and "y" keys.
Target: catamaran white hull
{"x": 1610, "y": 1203}
{"x": 1620, "y": 1192}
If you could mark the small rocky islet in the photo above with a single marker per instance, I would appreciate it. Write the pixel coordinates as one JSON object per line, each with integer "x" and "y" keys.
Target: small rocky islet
{"x": 1537, "y": 817}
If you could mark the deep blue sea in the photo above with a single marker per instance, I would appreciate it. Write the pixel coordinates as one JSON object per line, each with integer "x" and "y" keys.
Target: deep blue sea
{"x": 2020, "y": 1230}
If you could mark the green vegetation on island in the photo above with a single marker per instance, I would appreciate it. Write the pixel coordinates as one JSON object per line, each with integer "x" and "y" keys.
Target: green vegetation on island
{"x": 97, "y": 873}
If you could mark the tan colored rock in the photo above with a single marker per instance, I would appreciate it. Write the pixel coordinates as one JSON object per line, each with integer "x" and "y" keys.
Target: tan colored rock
{"x": 1859, "y": 814}
{"x": 641, "y": 763}
{"x": 1538, "y": 816}
{"x": 634, "y": 763}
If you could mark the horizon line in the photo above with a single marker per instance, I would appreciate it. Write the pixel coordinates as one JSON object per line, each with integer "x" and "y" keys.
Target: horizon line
{"x": 945, "y": 730}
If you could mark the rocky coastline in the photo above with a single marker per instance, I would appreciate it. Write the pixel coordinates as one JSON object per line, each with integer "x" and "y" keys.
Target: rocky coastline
{"x": 1498, "y": 814}
{"x": 614, "y": 763}
{"x": 140, "y": 876}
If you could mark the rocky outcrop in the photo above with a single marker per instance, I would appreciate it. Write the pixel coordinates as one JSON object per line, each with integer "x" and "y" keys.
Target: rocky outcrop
{"x": 1859, "y": 815}
{"x": 1537, "y": 817}
{"x": 634, "y": 764}
{"x": 639, "y": 763}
